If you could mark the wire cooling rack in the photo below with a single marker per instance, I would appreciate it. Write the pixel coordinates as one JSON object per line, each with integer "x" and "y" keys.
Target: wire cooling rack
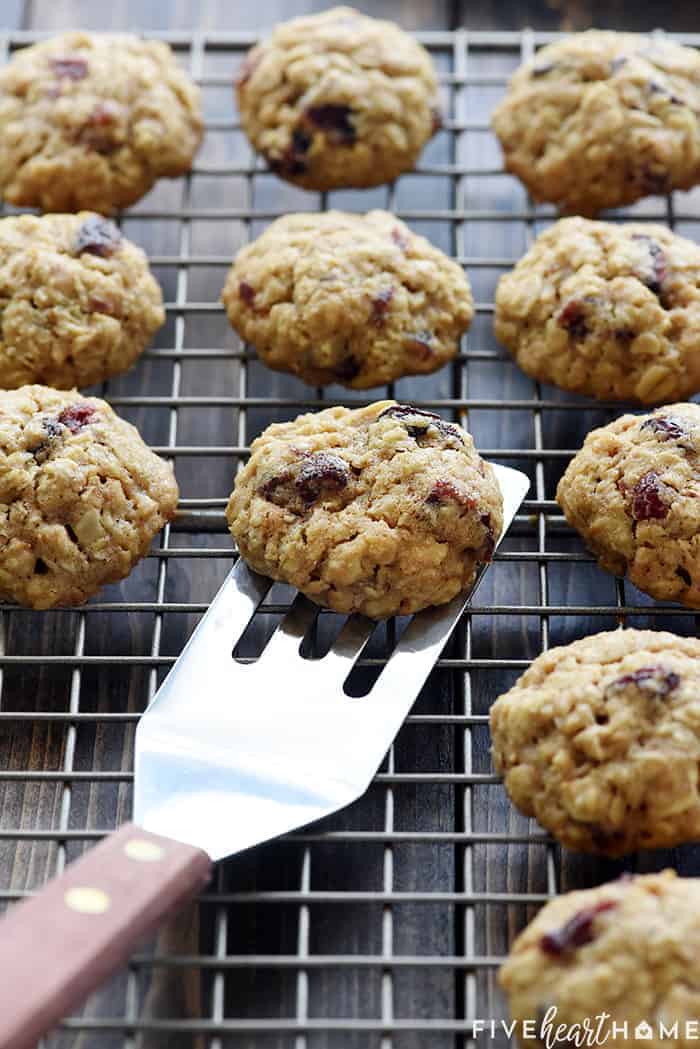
{"x": 382, "y": 927}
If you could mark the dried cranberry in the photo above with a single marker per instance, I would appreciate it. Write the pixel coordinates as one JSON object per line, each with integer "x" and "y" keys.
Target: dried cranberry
{"x": 277, "y": 489}
{"x": 647, "y": 501}
{"x": 70, "y": 68}
{"x": 298, "y": 486}
{"x": 665, "y": 427}
{"x": 322, "y": 472}
{"x": 98, "y": 132}
{"x": 572, "y": 318}
{"x": 655, "y": 680}
{"x": 418, "y": 422}
{"x": 653, "y": 182}
{"x": 435, "y": 119}
{"x": 246, "y": 292}
{"x": 658, "y": 270}
{"x": 420, "y": 343}
{"x": 347, "y": 369}
{"x": 448, "y": 492}
{"x": 335, "y": 121}
{"x": 301, "y": 142}
{"x": 399, "y": 239}
{"x": 292, "y": 160}
{"x": 77, "y": 416}
{"x": 98, "y": 236}
{"x": 380, "y": 304}
{"x": 576, "y": 932}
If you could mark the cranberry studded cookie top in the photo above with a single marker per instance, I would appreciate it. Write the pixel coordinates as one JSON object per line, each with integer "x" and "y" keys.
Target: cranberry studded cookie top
{"x": 92, "y": 120}
{"x": 81, "y": 496}
{"x": 626, "y": 952}
{"x": 79, "y": 302}
{"x": 338, "y": 99}
{"x": 600, "y": 119}
{"x": 600, "y": 741}
{"x": 382, "y": 510}
{"x": 633, "y": 493}
{"x": 354, "y": 299}
{"x": 607, "y": 310}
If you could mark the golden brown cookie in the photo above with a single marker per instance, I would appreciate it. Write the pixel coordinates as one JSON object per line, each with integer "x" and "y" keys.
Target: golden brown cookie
{"x": 338, "y": 99}
{"x": 382, "y": 510}
{"x": 352, "y": 299}
{"x": 78, "y": 302}
{"x": 600, "y": 119}
{"x": 81, "y": 496}
{"x": 626, "y": 953}
{"x": 612, "y": 311}
{"x": 92, "y": 120}
{"x": 599, "y": 740}
{"x": 633, "y": 494}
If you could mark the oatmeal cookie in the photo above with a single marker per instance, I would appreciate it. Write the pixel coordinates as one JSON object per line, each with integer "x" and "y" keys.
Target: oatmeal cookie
{"x": 601, "y": 119}
{"x": 78, "y": 302}
{"x": 382, "y": 510}
{"x": 352, "y": 299}
{"x": 633, "y": 494}
{"x": 599, "y": 740}
{"x": 611, "y": 311}
{"x": 92, "y": 120}
{"x": 338, "y": 99}
{"x": 629, "y": 949}
{"x": 81, "y": 496}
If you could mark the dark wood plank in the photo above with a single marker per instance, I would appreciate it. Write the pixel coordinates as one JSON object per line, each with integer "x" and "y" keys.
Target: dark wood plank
{"x": 572, "y": 15}
{"x": 219, "y": 14}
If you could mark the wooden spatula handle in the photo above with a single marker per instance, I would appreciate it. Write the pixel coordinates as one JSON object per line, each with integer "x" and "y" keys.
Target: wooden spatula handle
{"x": 62, "y": 943}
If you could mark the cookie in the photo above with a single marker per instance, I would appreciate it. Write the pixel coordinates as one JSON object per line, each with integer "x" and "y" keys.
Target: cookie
{"x": 611, "y": 311}
{"x": 382, "y": 510}
{"x": 81, "y": 496}
{"x": 352, "y": 299}
{"x": 338, "y": 99}
{"x": 626, "y": 953}
{"x": 599, "y": 740}
{"x": 78, "y": 302}
{"x": 92, "y": 120}
{"x": 600, "y": 119}
{"x": 633, "y": 494}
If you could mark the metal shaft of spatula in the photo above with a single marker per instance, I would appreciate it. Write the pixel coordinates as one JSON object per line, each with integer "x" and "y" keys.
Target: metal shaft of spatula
{"x": 228, "y": 755}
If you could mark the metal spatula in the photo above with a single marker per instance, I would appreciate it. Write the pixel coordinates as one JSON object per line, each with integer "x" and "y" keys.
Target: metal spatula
{"x": 227, "y": 756}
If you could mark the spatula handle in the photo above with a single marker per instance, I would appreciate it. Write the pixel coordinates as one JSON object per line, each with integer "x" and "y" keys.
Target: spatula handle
{"x": 59, "y": 945}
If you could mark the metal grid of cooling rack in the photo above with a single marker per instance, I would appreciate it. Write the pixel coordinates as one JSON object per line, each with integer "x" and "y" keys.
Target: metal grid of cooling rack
{"x": 384, "y": 925}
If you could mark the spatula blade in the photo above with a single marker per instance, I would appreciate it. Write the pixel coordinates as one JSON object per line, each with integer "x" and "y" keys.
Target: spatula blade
{"x": 229, "y": 755}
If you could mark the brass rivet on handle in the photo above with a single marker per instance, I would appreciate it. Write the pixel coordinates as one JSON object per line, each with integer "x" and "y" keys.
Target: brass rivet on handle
{"x": 87, "y": 900}
{"x": 143, "y": 850}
